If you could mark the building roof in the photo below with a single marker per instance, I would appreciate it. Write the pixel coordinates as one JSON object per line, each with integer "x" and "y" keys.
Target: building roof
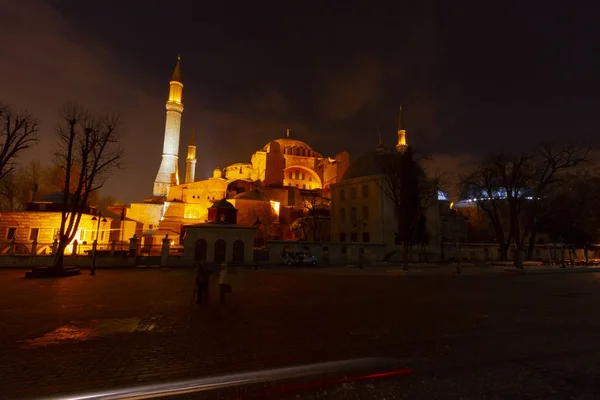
{"x": 177, "y": 72}
{"x": 371, "y": 164}
{"x": 251, "y": 195}
{"x": 56, "y": 198}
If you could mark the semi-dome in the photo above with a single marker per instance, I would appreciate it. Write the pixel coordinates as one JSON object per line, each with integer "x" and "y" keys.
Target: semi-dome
{"x": 373, "y": 163}
{"x": 223, "y": 203}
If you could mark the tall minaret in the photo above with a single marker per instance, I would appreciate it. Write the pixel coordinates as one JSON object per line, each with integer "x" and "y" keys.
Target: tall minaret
{"x": 190, "y": 162}
{"x": 401, "y": 146}
{"x": 168, "y": 173}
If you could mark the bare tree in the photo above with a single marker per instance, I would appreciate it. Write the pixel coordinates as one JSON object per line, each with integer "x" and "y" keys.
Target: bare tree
{"x": 482, "y": 185}
{"x": 514, "y": 186}
{"x": 316, "y": 210}
{"x": 87, "y": 146}
{"x": 18, "y": 132}
{"x": 406, "y": 186}
{"x": 552, "y": 164}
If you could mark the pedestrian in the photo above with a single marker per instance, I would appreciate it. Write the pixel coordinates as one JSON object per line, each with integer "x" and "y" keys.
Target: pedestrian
{"x": 200, "y": 282}
{"x": 206, "y": 281}
{"x": 224, "y": 287}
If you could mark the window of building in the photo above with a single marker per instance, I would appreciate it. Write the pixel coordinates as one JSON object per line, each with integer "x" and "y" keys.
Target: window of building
{"x": 82, "y": 235}
{"x": 342, "y": 194}
{"x": 353, "y": 214}
{"x": 290, "y": 175}
{"x": 240, "y": 171}
{"x": 302, "y": 176}
{"x": 353, "y": 193}
{"x": 365, "y": 213}
{"x": 353, "y": 237}
{"x": 365, "y": 191}
{"x": 56, "y": 234}
{"x": 310, "y": 186}
{"x": 310, "y": 178}
{"x": 366, "y": 237}
{"x": 342, "y": 236}
{"x": 303, "y": 186}
{"x": 33, "y": 234}
{"x": 11, "y": 233}
{"x": 102, "y": 236}
{"x": 297, "y": 174}
{"x": 342, "y": 214}
{"x": 297, "y": 185}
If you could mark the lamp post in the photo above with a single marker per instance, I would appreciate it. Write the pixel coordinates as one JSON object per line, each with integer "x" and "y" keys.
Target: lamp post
{"x": 95, "y": 243}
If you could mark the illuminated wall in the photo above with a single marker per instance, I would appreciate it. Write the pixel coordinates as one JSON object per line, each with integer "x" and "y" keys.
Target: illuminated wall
{"x": 28, "y": 225}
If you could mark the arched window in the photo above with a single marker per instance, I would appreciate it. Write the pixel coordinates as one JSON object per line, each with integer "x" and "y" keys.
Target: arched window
{"x": 353, "y": 214}
{"x": 365, "y": 213}
{"x": 342, "y": 214}
{"x": 303, "y": 186}
{"x": 240, "y": 170}
{"x": 365, "y": 191}
{"x": 342, "y": 195}
{"x": 352, "y": 193}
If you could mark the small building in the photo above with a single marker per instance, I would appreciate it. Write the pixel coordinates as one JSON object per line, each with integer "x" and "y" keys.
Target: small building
{"x": 219, "y": 240}
{"x": 40, "y": 223}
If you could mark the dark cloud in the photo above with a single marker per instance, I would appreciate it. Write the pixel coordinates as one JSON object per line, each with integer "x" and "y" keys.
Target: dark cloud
{"x": 348, "y": 88}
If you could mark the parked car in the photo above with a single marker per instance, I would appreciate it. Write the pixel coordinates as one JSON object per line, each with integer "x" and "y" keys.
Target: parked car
{"x": 299, "y": 258}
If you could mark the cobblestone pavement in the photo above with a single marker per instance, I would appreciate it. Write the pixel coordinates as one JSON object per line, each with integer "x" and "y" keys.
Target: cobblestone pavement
{"x": 482, "y": 334}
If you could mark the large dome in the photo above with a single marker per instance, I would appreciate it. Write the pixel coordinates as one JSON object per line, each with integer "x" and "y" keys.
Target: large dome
{"x": 293, "y": 147}
{"x": 374, "y": 164}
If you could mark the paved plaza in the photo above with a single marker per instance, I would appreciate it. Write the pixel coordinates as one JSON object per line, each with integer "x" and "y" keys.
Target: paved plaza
{"x": 484, "y": 334}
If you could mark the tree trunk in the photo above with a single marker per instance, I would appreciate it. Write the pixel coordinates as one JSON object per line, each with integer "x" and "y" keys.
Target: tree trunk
{"x": 503, "y": 251}
{"x": 518, "y": 259}
{"x": 531, "y": 247}
{"x": 59, "y": 258}
{"x": 405, "y": 255}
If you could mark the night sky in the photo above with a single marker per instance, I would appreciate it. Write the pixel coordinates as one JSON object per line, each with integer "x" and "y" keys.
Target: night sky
{"x": 471, "y": 79}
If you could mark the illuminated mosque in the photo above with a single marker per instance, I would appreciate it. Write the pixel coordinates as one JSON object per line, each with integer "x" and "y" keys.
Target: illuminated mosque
{"x": 267, "y": 191}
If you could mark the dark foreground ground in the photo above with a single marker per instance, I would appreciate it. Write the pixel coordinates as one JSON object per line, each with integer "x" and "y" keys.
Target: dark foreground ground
{"x": 481, "y": 335}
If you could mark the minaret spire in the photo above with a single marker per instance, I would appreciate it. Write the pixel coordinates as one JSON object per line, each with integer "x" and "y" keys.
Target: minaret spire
{"x": 168, "y": 172}
{"x": 190, "y": 162}
{"x": 402, "y": 145}
{"x": 287, "y": 132}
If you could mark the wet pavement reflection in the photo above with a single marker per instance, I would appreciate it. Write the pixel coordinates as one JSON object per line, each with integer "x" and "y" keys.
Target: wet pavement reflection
{"x": 78, "y": 331}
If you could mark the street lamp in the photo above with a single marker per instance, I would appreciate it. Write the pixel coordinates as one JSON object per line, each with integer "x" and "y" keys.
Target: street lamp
{"x": 95, "y": 243}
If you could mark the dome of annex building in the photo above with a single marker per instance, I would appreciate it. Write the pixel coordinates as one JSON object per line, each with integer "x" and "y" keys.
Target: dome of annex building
{"x": 373, "y": 163}
{"x": 223, "y": 203}
{"x": 251, "y": 195}
{"x": 292, "y": 146}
